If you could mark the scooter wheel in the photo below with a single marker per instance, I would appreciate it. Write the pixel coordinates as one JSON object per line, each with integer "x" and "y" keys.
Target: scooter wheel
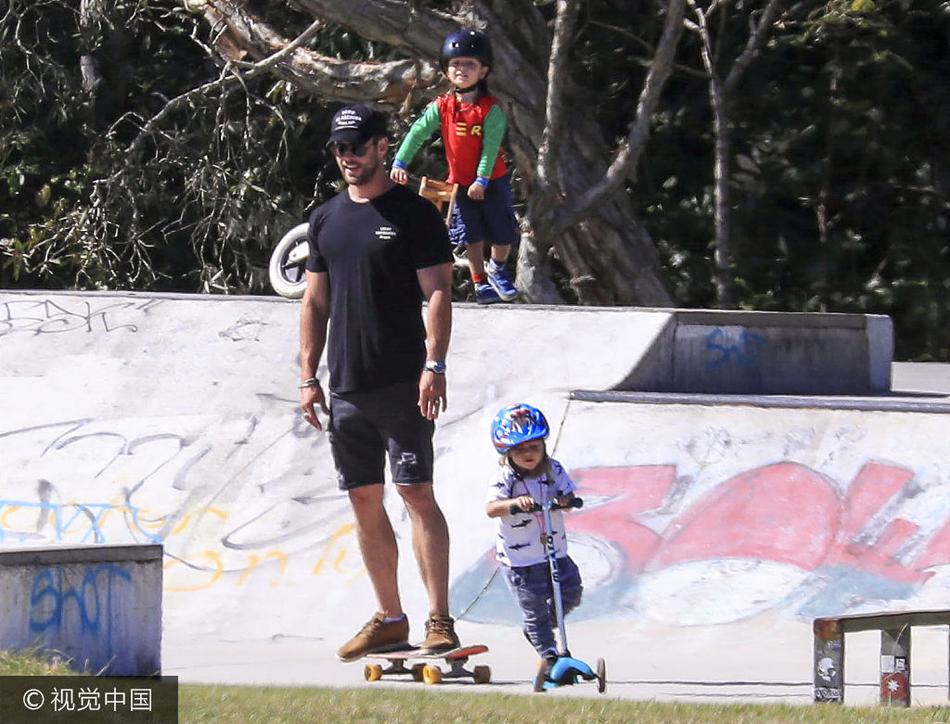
{"x": 601, "y": 676}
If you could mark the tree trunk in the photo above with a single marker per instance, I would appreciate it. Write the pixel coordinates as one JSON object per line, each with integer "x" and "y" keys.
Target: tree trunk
{"x": 722, "y": 217}
{"x": 609, "y": 256}
{"x": 607, "y": 253}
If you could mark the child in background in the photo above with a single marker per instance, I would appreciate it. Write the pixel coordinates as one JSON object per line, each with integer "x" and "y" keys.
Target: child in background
{"x": 472, "y": 126}
{"x": 527, "y": 476}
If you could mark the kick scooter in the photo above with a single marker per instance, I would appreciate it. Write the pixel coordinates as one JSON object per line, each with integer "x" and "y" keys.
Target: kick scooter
{"x": 566, "y": 670}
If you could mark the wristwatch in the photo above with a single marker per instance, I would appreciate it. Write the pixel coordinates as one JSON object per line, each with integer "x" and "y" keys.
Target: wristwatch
{"x": 436, "y": 366}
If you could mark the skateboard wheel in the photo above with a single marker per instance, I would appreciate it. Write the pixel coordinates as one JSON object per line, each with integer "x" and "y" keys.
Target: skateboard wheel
{"x": 601, "y": 676}
{"x": 373, "y": 672}
{"x": 431, "y": 674}
{"x": 481, "y": 674}
{"x": 416, "y": 671}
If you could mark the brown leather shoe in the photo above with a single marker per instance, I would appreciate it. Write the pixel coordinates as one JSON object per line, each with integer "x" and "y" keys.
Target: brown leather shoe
{"x": 440, "y": 635}
{"x": 376, "y": 636}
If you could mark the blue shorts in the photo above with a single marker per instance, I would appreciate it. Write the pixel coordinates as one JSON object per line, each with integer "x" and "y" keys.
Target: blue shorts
{"x": 491, "y": 220}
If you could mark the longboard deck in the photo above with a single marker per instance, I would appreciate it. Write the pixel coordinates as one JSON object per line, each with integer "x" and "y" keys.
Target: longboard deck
{"x": 462, "y": 652}
{"x": 401, "y": 662}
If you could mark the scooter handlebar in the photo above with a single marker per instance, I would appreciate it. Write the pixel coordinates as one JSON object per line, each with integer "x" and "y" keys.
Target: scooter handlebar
{"x": 574, "y": 503}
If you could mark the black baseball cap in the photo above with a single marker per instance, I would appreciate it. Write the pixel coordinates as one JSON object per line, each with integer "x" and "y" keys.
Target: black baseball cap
{"x": 357, "y": 124}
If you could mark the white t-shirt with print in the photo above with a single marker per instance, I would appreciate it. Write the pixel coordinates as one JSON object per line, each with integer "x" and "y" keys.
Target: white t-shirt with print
{"x": 519, "y": 536}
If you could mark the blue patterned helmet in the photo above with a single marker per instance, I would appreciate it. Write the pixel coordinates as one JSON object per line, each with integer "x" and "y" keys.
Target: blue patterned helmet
{"x": 516, "y": 424}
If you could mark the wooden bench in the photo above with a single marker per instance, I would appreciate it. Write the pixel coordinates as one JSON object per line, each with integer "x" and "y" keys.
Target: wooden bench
{"x": 895, "y": 651}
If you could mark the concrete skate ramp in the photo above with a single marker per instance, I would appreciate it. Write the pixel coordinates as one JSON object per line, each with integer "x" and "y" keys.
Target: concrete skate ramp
{"x": 711, "y": 536}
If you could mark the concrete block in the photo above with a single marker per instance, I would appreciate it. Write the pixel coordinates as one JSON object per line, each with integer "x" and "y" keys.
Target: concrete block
{"x": 738, "y": 352}
{"x": 100, "y": 606}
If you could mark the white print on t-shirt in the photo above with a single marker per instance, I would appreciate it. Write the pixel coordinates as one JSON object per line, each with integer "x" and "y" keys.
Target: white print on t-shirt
{"x": 519, "y": 535}
{"x": 386, "y": 233}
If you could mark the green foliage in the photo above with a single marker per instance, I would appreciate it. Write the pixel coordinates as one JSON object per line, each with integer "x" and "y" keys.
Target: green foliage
{"x": 92, "y": 196}
{"x": 839, "y": 180}
{"x": 840, "y": 171}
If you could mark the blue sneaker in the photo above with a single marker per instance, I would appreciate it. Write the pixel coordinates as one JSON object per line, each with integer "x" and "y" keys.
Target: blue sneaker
{"x": 500, "y": 279}
{"x": 485, "y": 294}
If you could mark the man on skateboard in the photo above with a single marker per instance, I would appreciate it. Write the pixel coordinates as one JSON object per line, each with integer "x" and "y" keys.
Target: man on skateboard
{"x": 376, "y": 251}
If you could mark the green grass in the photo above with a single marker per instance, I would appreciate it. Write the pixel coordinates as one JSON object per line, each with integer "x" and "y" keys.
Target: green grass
{"x": 380, "y": 704}
{"x": 238, "y": 704}
{"x": 31, "y": 663}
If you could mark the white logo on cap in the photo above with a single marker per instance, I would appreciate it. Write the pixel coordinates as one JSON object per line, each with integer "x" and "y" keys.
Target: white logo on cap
{"x": 348, "y": 119}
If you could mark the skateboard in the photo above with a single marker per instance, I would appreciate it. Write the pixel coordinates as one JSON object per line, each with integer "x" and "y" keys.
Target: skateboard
{"x": 401, "y": 659}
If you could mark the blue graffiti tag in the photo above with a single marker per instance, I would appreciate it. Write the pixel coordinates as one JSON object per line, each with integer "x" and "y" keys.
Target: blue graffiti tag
{"x": 744, "y": 351}
{"x": 67, "y": 516}
{"x": 51, "y": 594}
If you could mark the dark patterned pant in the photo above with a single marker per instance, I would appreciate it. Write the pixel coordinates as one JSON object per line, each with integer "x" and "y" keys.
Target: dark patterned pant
{"x": 531, "y": 586}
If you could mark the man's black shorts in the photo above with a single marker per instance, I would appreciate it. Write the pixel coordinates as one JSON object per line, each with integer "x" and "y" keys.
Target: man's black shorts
{"x": 364, "y": 426}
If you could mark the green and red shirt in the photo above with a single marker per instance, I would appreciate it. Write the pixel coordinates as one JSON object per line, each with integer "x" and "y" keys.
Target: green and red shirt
{"x": 471, "y": 134}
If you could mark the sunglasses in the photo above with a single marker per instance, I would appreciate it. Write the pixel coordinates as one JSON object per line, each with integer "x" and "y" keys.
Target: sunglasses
{"x": 342, "y": 149}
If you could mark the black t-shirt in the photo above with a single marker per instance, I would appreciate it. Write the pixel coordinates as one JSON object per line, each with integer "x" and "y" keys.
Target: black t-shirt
{"x": 371, "y": 252}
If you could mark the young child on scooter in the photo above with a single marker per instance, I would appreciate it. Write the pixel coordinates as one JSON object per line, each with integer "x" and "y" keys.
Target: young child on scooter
{"x": 472, "y": 125}
{"x": 528, "y": 476}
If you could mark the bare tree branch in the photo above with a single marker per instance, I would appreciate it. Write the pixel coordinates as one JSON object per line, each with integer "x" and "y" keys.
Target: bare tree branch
{"x": 628, "y": 153}
{"x": 647, "y": 47}
{"x": 753, "y": 45}
{"x": 721, "y": 213}
{"x": 272, "y": 60}
{"x": 406, "y": 25}
{"x": 241, "y": 33}
{"x": 251, "y": 70}
{"x": 558, "y": 82}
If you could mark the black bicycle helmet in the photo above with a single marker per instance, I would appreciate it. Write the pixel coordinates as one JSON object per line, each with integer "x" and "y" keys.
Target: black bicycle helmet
{"x": 466, "y": 43}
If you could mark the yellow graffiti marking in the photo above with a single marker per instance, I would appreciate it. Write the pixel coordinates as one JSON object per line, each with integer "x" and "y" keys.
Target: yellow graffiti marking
{"x": 186, "y": 520}
{"x": 215, "y": 574}
{"x": 281, "y": 565}
{"x": 343, "y": 530}
{"x": 3, "y": 519}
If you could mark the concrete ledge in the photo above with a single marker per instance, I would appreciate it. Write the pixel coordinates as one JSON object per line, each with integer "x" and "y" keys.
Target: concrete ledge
{"x": 569, "y": 347}
{"x": 80, "y": 554}
{"x": 100, "y": 606}
{"x": 789, "y": 402}
{"x": 739, "y": 352}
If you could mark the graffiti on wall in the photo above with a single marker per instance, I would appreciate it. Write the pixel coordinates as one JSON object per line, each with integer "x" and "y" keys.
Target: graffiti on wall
{"x": 56, "y": 601}
{"x": 46, "y": 316}
{"x": 235, "y": 501}
{"x": 725, "y": 349}
{"x": 780, "y": 536}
